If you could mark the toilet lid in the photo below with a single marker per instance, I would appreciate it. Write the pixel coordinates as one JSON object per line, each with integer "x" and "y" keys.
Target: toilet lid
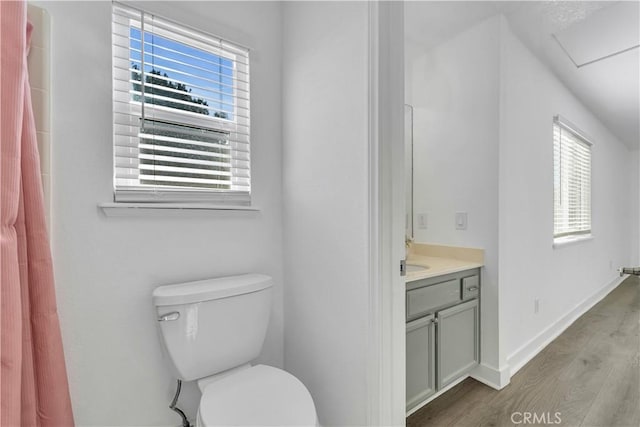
{"x": 258, "y": 396}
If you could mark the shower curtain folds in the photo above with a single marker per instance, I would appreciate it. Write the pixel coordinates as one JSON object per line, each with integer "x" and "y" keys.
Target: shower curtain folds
{"x": 33, "y": 381}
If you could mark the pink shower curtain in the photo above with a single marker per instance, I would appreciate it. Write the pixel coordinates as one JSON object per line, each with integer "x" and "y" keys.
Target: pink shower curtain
{"x": 33, "y": 379}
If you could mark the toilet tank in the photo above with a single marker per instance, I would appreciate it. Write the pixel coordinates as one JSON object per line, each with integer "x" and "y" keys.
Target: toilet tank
{"x": 213, "y": 325}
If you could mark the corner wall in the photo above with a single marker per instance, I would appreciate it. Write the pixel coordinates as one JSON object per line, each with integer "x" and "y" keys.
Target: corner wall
{"x": 326, "y": 209}
{"x": 106, "y": 268}
{"x": 565, "y": 279}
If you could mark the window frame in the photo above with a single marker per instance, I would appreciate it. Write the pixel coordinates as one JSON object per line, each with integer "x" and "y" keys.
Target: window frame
{"x": 155, "y": 194}
{"x": 579, "y": 137}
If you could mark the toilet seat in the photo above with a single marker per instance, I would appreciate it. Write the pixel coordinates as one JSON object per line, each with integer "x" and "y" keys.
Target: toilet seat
{"x": 257, "y": 396}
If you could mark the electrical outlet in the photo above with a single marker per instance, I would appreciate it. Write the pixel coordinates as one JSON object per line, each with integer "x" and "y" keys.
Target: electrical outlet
{"x": 536, "y": 306}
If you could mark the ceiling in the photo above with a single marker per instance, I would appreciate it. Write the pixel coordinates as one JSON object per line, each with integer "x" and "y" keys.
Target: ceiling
{"x": 591, "y": 46}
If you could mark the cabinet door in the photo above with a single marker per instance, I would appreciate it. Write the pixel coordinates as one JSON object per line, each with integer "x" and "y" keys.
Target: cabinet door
{"x": 458, "y": 341}
{"x": 420, "y": 360}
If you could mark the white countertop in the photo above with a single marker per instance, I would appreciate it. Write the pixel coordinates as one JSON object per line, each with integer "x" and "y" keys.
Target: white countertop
{"x": 442, "y": 260}
{"x": 437, "y": 266}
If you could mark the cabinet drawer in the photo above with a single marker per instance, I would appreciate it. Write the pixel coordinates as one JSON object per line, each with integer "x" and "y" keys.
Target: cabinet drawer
{"x": 470, "y": 287}
{"x": 428, "y": 298}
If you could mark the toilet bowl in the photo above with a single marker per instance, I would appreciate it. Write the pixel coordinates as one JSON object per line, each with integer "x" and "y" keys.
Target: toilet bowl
{"x": 211, "y": 331}
{"x": 257, "y": 396}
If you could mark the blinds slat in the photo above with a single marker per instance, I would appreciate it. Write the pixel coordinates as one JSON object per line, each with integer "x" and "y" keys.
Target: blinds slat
{"x": 159, "y": 149}
{"x": 205, "y": 146}
{"x": 183, "y": 171}
{"x": 158, "y": 176}
{"x": 187, "y": 162}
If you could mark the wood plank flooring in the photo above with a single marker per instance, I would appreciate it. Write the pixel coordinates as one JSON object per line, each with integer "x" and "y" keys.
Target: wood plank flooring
{"x": 590, "y": 374}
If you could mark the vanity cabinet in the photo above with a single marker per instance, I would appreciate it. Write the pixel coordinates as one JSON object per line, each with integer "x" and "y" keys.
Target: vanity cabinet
{"x": 443, "y": 332}
{"x": 458, "y": 341}
{"x": 421, "y": 352}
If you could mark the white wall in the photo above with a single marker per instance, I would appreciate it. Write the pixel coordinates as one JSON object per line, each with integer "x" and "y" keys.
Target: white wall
{"x": 106, "y": 268}
{"x": 326, "y": 207}
{"x": 529, "y": 266}
{"x": 455, "y": 94}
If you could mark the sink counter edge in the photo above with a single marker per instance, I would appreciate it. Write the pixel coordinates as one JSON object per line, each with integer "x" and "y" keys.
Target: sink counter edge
{"x": 437, "y": 266}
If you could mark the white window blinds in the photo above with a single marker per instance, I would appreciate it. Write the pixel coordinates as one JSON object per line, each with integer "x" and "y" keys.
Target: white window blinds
{"x": 572, "y": 181}
{"x": 180, "y": 113}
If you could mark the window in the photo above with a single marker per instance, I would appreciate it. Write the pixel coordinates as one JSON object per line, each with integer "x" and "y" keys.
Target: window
{"x": 572, "y": 181}
{"x": 180, "y": 113}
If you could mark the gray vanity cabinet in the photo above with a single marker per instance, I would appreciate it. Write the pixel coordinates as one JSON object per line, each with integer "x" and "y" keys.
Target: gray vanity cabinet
{"x": 421, "y": 353}
{"x": 443, "y": 332}
{"x": 458, "y": 339}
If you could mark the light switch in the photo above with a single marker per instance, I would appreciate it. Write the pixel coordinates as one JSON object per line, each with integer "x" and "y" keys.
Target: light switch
{"x": 461, "y": 220}
{"x": 422, "y": 221}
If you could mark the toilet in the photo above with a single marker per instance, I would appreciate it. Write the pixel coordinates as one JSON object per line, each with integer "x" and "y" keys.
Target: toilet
{"x": 212, "y": 330}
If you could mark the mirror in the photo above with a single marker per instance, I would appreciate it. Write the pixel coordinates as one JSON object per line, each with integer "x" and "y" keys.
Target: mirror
{"x": 408, "y": 159}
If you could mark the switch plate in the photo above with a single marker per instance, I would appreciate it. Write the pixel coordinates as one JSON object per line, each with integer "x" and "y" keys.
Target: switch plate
{"x": 461, "y": 220}
{"x": 423, "y": 220}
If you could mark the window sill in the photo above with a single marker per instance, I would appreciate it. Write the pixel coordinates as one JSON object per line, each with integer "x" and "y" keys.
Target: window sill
{"x": 113, "y": 209}
{"x": 571, "y": 240}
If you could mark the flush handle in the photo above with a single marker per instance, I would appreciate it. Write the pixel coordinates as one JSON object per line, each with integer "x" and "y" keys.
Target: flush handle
{"x": 472, "y": 288}
{"x": 174, "y": 315}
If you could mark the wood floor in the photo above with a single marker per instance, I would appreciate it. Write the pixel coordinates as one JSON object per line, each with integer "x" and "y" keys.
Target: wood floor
{"x": 590, "y": 375}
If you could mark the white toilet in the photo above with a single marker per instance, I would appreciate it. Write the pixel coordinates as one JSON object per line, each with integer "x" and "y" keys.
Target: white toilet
{"x": 211, "y": 330}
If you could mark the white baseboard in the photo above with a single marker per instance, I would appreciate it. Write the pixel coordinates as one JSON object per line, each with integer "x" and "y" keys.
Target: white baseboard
{"x": 493, "y": 377}
{"x": 529, "y": 350}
